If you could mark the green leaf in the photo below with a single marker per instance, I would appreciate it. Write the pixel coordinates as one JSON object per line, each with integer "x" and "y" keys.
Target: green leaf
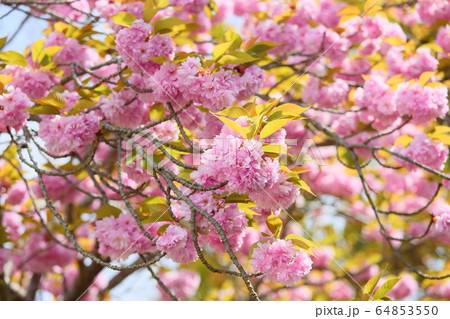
{"x": 275, "y": 224}
{"x": 43, "y": 109}
{"x": 234, "y": 112}
{"x": 53, "y": 99}
{"x": 150, "y": 9}
{"x": 385, "y": 288}
{"x": 12, "y": 57}
{"x": 272, "y": 127}
{"x": 157, "y": 112}
{"x": 124, "y": 19}
{"x": 2, "y": 42}
{"x": 81, "y": 105}
{"x": 107, "y": 210}
{"x": 370, "y": 286}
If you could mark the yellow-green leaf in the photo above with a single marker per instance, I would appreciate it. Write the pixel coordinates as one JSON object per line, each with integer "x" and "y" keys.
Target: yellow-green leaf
{"x": 53, "y": 99}
{"x": 153, "y": 205}
{"x": 396, "y": 79}
{"x": 291, "y": 109}
{"x": 425, "y": 77}
{"x": 433, "y": 47}
{"x": 234, "y": 112}
{"x": 43, "y": 109}
{"x": 235, "y": 38}
{"x": 159, "y": 59}
{"x": 275, "y": 224}
{"x": 234, "y": 126}
{"x": 404, "y": 140}
{"x": 301, "y": 242}
{"x": 106, "y": 211}
{"x": 164, "y": 25}
{"x": 36, "y": 49}
{"x": 81, "y": 105}
{"x": 237, "y": 57}
{"x": 221, "y": 48}
{"x": 370, "y": 286}
{"x": 395, "y": 41}
{"x": 150, "y": 9}
{"x": 272, "y": 127}
{"x": 157, "y": 112}
{"x": 124, "y": 19}
{"x": 274, "y": 148}
{"x": 263, "y": 46}
{"x": 299, "y": 170}
{"x": 349, "y": 10}
{"x": 5, "y": 78}
{"x": 2, "y": 42}
{"x": 440, "y": 129}
{"x": 12, "y": 57}
{"x": 385, "y": 288}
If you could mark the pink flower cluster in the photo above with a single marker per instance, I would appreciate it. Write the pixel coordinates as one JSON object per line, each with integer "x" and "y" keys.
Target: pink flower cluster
{"x": 65, "y": 134}
{"x": 190, "y": 6}
{"x": 5, "y": 256}
{"x": 443, "y": 38}
{"x": 279, "y": 195}
{"x": 431, "y": 11}
{"x": 332, "y": 179}
{"x": 423, "y": 150}
{"x": 137, "y": 46}
{"x": 341, "y": 290}
{"x": 379, "y": 101}
{"x": 34, "y": 83}
{"x": 406, "y": 287}
{"x": 326, "y": 96}
{"x": 423, "y": 104}
{"x": 123, "y": 109}
{"x": 120, "y": 237}
{"x": 240, "y": 162}
{"x": 414, "y": 66}
{"x": 12, "y": 105}
{"x": 41, "y": 254}
{"x": 281, "y": 262}
{"x": 228, "y": 216}
{"x": 73, "y": 11}
{"x": 178, "y": 244}
{"x": 17, "y": 194}
{"x": 440, "y": 289}
{"x": 215, "y": 91}
{"x": 442, "y": 224}
{"x": 57, "y": 188}
{"x": 72, "y": 51}
{"x": 182, "y": 283}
